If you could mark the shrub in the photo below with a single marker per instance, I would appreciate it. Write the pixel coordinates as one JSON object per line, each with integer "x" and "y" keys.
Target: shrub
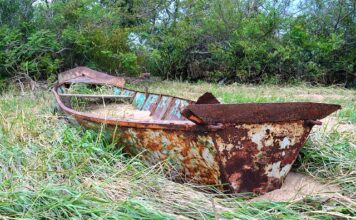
{"x": 233, "y": 40}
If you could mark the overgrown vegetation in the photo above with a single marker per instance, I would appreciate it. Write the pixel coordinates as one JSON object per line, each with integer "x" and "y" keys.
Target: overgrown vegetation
{"x": 50, "y": 169}
{"x": 217, "y": 40}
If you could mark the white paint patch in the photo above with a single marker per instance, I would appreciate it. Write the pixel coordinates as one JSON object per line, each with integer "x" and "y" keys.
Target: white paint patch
{"x": 257, "y": 139}
{"x": 228, "y": 147}
{"x": 269, "y": 142}
{"x": 275, "y": 167}
{"x": 275, "y": 170}
{"x": 259, "y": 135}
{"x": 209, "y": 159}
{"x": 285, "y": 169}
{"x": 284, "y": 143}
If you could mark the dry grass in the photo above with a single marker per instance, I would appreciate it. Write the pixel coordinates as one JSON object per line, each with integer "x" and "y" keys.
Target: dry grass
{"x": 50, "y": 169}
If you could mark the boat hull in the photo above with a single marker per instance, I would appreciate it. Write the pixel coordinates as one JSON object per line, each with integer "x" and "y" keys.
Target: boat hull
{"x": 235, "y": 148}
{"x": 240, "y": 158}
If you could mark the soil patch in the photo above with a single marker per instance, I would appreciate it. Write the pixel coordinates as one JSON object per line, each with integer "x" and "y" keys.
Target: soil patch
{"x": 298, "y": 186}
{"x": 119, "y": 111}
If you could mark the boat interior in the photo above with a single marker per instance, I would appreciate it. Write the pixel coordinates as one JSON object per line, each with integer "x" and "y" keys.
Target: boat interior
{"x": 110, "y": 101}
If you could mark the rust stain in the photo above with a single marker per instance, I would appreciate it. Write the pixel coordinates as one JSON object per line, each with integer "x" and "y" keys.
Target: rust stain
{"x": 258, "y": 112}
{"x": 237, "y": 148}
{"x": 86, "y": 75}
{"x": 260, "y": 160}
{"x": 207, "y": 98}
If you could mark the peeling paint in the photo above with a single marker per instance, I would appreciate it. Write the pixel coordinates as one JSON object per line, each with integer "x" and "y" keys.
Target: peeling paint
{"x": 285, "y": 170}
{"x": 274, "y": 170}
{"x": 234, "y": 152}
{"x": 284, "y": 143}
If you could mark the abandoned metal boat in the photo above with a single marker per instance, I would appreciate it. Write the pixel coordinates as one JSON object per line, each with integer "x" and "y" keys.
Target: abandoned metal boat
{"x": 235, "y": 147}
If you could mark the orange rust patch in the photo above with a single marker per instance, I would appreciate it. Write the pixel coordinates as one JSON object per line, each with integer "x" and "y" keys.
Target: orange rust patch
{"x": 259, "y": 156}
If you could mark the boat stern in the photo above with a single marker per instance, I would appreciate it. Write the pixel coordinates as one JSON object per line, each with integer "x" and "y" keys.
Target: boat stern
{"x": 257, "y": 157}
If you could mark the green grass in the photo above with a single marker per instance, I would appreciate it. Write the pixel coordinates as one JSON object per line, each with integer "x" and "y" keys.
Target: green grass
{"x": 50, "y": 169}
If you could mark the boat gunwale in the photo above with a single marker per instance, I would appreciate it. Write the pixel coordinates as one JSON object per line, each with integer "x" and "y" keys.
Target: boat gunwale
{"x": 134, "y": 123}
{"x": 185, "y": 124}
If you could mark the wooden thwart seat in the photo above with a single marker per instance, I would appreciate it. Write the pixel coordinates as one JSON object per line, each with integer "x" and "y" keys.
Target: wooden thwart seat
{"x": 95, "y": 96}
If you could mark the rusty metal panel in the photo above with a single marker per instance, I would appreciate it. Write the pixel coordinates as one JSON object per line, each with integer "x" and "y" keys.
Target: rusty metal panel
{"x": 138, "y": 100}
{"x": 162, "y": 107}
{"x": 183, "y": 104}
{"x": 257, "y": 157}
{"x": 175, "y": 111}
{"x": 207, "y": 98}
{"x": 150, "y": 102}
{"x": 189, "y": 156}
{"x": 86, "y": 75}
{"x": 257, "y": 112}
{"x": 239, "y": 147}
{"x": 241, "y": 158}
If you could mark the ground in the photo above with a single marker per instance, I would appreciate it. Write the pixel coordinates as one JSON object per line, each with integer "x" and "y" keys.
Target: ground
{"x": 55, "y": 170}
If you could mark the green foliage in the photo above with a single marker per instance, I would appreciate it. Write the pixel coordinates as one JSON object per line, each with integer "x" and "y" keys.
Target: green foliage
{"x": 229, "y": 40}
{"x": 253, "y": 41}
{"x": 34, "y": 54}
{"x": 51, "y": 169}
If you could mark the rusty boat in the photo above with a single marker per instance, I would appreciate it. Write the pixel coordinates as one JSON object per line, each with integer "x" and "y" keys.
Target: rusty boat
{"x": 234, "y": 147}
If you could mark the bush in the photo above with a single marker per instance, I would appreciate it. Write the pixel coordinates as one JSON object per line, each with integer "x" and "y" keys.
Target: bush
{"x": 34, "y": 55}
{"x": 229, "y": 40}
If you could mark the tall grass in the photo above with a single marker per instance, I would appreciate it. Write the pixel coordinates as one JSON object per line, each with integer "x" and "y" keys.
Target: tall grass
{"x": 50, "y": 169}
